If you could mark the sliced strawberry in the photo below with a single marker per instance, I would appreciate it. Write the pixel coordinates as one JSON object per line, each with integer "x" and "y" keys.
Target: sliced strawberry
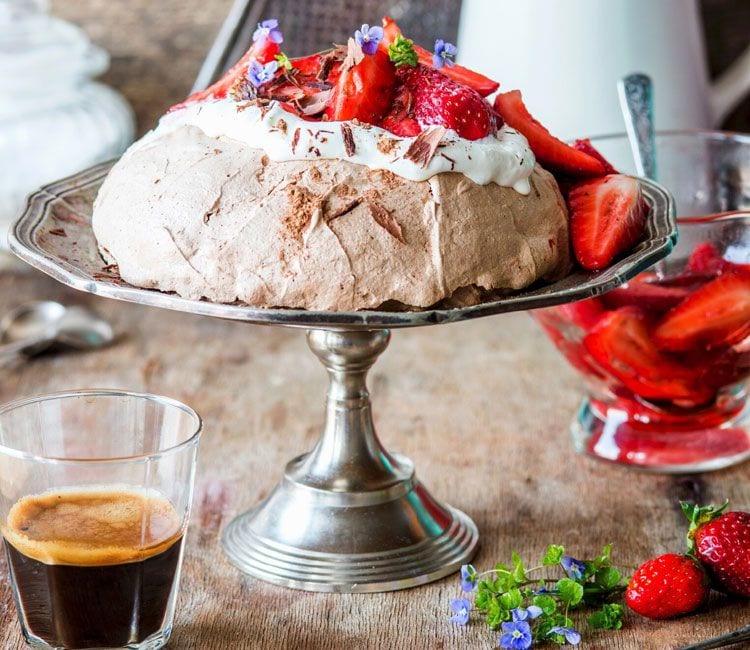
{"x": 400, "y": 117}
{"x": 262, "y": 51}
{"x": 364, "y": 91}
{"x": 607, "y": 217}
{"x": 586, "y": 146}
{"x": 583, "y": 313}
{"x": 621, "y": 344}
{"x": 552, "y": 153}
{"x": 483, "y": 85}
{"x": 716, "y": 314}
{"x": 439, "y": 100}
{"x": 645, "y": 292}
{"x": 706, "y": 258}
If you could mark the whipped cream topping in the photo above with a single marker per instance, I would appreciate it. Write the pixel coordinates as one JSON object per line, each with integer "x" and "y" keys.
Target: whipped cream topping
{"x": 504, "y": 158}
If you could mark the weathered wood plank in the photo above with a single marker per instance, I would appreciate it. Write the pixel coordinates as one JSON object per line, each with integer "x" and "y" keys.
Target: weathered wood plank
{"x": 481, "y": 407}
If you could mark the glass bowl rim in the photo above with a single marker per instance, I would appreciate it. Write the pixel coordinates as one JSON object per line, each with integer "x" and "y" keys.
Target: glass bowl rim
{"x": 19, "y": 454}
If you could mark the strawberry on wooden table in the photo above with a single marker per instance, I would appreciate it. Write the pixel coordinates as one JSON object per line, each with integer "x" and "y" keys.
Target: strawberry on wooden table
{"x": 552, "y": 153}
{"x": 721, "y": 541}
{"x": 716, "y": 314}
{"x": 621, "y": 343}
{"x": 607, "y": 217}
{"x": 667, "y": 586}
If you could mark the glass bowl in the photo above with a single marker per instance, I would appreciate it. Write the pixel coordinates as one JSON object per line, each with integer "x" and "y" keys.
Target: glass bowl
{"x": 666, "y": 355}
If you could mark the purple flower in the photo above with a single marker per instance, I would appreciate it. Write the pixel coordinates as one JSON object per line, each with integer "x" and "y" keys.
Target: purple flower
{"x": 443, "y": 54}
{"x": 574, "y": 568}
{"x": 269, "y": 29}
{"x": 468, "y": 578}
{"x": 516, "y": 635}
{"x": 571, "y": 636}
{"x": 369, "y": 37}
{"x": 531, "y": 612}
{"x": 258, "y": 74}
{"x": 461, "y": 607}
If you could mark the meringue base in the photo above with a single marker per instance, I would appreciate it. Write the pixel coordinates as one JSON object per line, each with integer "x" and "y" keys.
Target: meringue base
{"x": 210, "y": 218}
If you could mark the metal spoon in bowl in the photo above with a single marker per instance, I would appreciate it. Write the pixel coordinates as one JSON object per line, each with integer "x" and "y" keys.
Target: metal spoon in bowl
{"x": 637, "y": 103}
{"x": 34, "y": 327}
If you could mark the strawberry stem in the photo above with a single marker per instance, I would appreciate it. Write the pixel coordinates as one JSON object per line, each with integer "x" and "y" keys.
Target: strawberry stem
{"x": 698, "y": 516}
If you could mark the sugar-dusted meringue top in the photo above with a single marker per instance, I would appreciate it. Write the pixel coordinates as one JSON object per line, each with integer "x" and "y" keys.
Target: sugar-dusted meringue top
{"x": 504, "y": 158}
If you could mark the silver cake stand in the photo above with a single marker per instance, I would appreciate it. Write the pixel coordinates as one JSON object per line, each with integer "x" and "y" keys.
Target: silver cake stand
{"x": 349, "y": 516}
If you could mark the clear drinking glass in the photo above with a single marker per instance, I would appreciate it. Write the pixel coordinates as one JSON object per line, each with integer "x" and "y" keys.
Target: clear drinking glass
{"x": 95, "y": 493}
{"x": 666, "y": 357}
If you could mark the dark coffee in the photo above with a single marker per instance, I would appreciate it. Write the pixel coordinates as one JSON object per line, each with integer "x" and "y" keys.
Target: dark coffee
{"x": 93, "y": 569}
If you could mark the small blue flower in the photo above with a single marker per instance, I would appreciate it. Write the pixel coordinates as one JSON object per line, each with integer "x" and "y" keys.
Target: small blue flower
{"x": 258, "y": 74}
{"x": 541, "y": 591}
{"x": 443, "y": 54}
{"x": 516, "y": 635}
{"x": 369, "y": 37}
{"x": 574, "y": 568}
{"x": 461, "y": 607}
{"x": 269, "y": 29}
{"x": 531, "y": 612}
{"x": 571, "y": 636}
{"x": 468, "y": 578}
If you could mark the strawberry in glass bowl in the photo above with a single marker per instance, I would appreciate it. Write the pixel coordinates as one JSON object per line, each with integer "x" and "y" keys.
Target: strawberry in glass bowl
{"x": 666, "y": 355}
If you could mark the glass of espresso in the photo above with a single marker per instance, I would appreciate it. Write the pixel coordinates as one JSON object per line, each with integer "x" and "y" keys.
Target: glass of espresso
{"x": 95, "y": 492}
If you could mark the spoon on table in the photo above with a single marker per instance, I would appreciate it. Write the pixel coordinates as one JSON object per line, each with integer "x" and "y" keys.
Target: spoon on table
{"x": 637, "y": 103}
{"x": 34, "y": 327}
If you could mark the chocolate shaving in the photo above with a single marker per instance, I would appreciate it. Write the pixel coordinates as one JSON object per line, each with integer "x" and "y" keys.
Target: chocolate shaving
{"x": 346, "y": 132}
{"x": 452, "y": 161}
{"x": 111, "y": 268}
{"x": 421, "y": 151}
{"x": 295, "y": 139}
{"x": 318, "y": 85}
{"x": 58, "y": 232}
{"x": 312, "y": 104}
{"x": 327, "y": 61}
{"x": 354, "y": 55}
{"x": 385, "y": 220}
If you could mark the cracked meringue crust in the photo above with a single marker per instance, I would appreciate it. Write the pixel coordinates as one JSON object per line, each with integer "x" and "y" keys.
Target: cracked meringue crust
{"x": 211, "y": 217}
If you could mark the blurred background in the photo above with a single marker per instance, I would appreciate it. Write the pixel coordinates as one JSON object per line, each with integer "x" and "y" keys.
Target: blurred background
{"x": 157, "y": 47}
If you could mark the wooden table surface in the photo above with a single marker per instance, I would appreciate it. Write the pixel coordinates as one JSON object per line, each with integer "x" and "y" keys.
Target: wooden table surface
{"x": 481, "y": 407}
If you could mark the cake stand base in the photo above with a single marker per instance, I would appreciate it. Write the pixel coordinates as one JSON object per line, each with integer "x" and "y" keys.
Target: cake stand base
{"x": 349, "y": 516}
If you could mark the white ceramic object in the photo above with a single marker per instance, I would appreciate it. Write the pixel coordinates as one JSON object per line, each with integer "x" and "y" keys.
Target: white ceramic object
{"x": 566, "y": 56}
{"x": 54, "y": 119}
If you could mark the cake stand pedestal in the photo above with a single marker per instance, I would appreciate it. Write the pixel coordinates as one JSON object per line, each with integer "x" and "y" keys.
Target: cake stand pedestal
{"x": 349, "y": 516}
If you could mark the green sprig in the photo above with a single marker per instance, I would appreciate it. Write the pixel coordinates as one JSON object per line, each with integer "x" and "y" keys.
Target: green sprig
{"x": 511, "y": 586}
{"x": 283, "y": 61}
{"x": 401, "y": 52}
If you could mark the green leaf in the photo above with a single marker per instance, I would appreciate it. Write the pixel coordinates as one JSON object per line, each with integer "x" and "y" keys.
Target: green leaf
{"x": 494, "y": 614}
{"x": 569, "y": 591}
{"x": 283, "y": 61}
{"x": 608, "y": 577}
{"x": 402, "y": 52}
{"x": 546, "y": 603}
{"x": 482, "y": 600}
{"x": 553, "y": 555}
{"x": 519, "y": 572}
{"x": 511, "y": 599}
{"x": 609, "y": 617}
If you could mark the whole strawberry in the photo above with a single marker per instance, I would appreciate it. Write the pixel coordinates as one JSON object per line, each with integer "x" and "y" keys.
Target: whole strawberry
{"x": 721, "y": 541}
{"x": 667, "y": 586}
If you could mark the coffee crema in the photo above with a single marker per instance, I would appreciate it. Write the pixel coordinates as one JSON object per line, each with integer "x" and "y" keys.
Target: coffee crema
{"x": 94, "y": 567}
{"x": 92, "y": 527}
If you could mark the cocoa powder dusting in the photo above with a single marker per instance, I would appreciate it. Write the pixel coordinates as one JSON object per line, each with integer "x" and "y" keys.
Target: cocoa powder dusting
{"x": 302, "y": 204}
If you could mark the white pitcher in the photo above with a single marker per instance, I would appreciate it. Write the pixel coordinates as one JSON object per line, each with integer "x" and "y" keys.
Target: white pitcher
{"x": 567, "y": 55}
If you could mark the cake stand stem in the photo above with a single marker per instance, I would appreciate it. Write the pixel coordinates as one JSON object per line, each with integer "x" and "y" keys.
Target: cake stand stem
{"x": 350, "y": 516}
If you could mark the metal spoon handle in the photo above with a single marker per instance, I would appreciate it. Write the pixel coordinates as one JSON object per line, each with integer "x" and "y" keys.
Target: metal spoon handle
{"x": 743, "y": 634}
{"x": 637, "y": 103}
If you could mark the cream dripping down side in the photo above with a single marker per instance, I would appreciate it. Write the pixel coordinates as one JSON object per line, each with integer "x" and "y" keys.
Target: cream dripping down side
{"x": 504, "y": 158}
